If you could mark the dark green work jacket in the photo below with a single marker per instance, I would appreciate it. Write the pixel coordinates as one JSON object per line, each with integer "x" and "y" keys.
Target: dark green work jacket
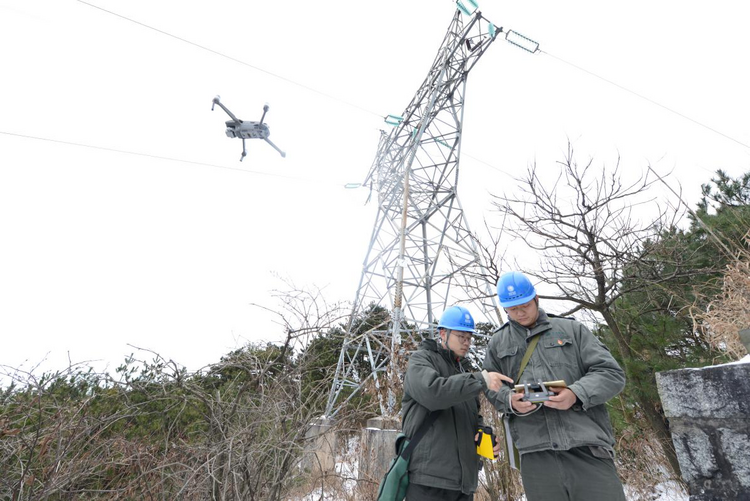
{"x": 446, "y": 457}
{"x": 566, "y": 350}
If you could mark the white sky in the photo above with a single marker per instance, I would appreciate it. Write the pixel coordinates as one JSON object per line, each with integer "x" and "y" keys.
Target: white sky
{"x": 100, "y": 249}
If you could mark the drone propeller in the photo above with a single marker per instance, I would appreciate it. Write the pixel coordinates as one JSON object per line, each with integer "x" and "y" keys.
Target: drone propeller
{"x": 217, "y": 100}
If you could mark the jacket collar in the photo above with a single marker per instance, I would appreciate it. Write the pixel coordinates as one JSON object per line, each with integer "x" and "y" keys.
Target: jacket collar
{"x": 437, "y": 347}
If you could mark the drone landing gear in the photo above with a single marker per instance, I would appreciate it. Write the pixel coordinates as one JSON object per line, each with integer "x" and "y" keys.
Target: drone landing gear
{"x": 244, "y": 150}
{"x": 283, "y": 154}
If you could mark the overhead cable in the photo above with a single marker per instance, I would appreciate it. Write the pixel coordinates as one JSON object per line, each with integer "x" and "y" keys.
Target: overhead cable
{"x": 513, "y": 41}
{"x": 159, "y": 157}
{"x": 311, "y": 89}
{"x": 234, "y": 59}
{"x": 641, "y": 96}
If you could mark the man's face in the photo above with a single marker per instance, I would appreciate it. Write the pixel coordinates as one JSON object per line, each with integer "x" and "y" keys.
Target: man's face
{"x": 525, "y": 314}
{"x": 458, "y": 341}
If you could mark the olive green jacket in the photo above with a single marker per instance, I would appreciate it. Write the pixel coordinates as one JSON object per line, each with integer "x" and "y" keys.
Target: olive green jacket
{"x": 566, "y": 350}
{"x": 436, "y": 379}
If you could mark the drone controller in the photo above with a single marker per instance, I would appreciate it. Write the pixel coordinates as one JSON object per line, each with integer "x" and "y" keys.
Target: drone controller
{"x": 538, "y": 392}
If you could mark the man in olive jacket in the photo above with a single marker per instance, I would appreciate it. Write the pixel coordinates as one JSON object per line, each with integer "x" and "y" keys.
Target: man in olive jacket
{"x": 566, "y": 443}
{"x": 445, "y": 464}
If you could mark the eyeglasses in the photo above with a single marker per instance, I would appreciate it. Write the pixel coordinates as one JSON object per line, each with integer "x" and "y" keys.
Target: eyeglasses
{"x": 464, "y": 338}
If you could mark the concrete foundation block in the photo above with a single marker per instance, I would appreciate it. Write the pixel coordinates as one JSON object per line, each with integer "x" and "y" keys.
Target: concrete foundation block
{"x": 378, "y": 444}
{"x": 320, "y": 450}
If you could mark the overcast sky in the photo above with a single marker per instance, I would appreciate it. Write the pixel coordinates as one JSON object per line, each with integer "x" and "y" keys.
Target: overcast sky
{"x": 127, "y": 218}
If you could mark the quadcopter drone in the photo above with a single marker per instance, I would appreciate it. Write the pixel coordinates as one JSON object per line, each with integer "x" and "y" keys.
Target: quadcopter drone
{"x": 247, "y": 130}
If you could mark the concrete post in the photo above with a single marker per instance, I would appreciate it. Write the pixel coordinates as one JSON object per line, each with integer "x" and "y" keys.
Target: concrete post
{"x": 709, "y": 418}
{"x": 320, "y": 448}
{"x": 378, "y": 448}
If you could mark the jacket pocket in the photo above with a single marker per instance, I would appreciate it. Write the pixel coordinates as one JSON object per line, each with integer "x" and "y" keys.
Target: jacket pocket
{"x": 508, "y": 352}
{"x": 600, "y": 452}
{"x": 559, "y": 350}
{"x": 507, "y": 360}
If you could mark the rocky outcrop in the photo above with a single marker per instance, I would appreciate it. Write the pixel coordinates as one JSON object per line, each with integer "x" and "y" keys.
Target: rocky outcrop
{"x": 709, "y": 418}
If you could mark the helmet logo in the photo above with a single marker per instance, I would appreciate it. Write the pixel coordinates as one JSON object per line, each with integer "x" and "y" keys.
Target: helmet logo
{"x": 511, "y": 288}
{"x": 467, "y": 318}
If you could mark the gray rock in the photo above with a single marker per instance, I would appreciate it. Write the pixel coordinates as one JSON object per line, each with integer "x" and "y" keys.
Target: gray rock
{"x": 709, "y": 418}
{"x": 718, "y": 392}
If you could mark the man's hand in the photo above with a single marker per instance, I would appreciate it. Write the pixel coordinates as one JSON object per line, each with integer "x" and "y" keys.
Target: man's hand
{"x": 563, "y": 401}
{"x": 519, "y": 405}
{"x": 496, "y": 450}
{"x": 495, "y": 447}
{"x": 495, "y": 380}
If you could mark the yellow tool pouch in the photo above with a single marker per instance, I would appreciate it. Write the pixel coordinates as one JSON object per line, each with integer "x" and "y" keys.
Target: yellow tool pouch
{"x": 486, "y": 442}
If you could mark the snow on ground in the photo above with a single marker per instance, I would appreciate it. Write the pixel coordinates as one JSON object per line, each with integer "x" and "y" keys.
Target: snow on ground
{"x": 668, "y": 491}
{"x": 743, "y": 360}
{"x": 347, "y": 468}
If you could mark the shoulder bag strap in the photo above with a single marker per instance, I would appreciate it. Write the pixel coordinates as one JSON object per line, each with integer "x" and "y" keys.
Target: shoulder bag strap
{"x": 431, "y": 417}
{"x": 527, "y": 356}
{"x": 511, "y": 452}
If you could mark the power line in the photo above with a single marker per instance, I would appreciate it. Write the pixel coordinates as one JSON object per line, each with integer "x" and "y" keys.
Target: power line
{"x": 170, "y": 159}
{"x": 311, "y": 89}
{"x": 641, "y": 96}
{"x": 234, "y": 59}
{"x": 244, "y": 63}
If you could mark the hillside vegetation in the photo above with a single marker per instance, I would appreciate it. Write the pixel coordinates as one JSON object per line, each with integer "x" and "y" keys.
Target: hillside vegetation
{"x": 236, "y": 430}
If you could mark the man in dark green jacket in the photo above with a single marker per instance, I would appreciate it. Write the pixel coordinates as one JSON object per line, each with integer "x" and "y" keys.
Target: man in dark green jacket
{"x": 566, "y": 442}
{"x": 445, "y": 464}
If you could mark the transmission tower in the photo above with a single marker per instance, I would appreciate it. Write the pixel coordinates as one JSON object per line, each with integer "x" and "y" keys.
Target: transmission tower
{"x": 422, "y": 253}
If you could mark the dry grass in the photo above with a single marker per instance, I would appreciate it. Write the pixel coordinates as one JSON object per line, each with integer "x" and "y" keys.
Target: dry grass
{"x": 730, "y": 313}
{"x": 641, "y": 464}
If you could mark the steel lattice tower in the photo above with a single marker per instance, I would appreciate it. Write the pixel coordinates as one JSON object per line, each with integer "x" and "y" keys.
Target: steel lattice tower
{"x": 421, "y": 250}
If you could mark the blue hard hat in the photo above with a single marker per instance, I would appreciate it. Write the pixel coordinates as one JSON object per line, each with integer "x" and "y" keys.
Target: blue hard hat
{"x": 514, "y": 288}
{"x": 457, "y": 318}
